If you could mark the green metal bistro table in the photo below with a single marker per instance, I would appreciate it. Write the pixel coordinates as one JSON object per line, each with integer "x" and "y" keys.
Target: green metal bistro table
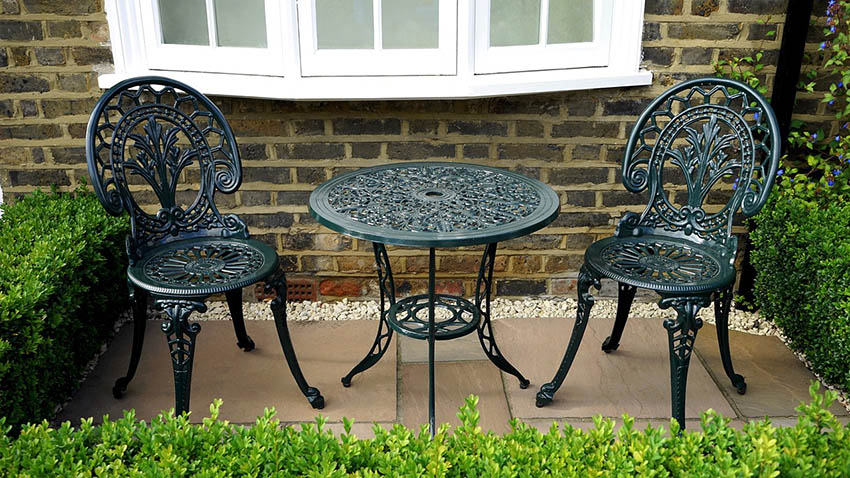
{"x": 434, "y": 205}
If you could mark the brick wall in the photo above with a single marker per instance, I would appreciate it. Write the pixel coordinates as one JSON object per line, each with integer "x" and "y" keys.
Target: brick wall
{"x": 50, "y": 53}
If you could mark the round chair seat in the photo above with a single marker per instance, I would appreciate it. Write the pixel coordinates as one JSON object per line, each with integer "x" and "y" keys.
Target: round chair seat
{"x": 203, "y": 266}
{"x": 664, "y": 264}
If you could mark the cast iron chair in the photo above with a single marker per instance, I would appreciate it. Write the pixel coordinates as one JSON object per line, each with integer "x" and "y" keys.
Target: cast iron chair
{"x": 144, "y": 137}
{"x": 697, "y": 134}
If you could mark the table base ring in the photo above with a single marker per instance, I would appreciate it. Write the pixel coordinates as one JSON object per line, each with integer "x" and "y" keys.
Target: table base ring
{"x": 409, "y": 316}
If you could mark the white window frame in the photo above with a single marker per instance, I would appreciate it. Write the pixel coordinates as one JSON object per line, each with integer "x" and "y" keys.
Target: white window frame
{"x": 132, "y": 55}
{"x": 543, "y": 56}
{"x": 213, "y": 58}
{"x": 378, "y": 61}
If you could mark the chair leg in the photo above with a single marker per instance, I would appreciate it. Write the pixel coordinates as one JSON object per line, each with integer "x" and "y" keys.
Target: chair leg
{"x": 625, "y": 297}
{"x": 139, "y": 298}
{"x": 234, "y": 303}
{"x": 181, "y": 344}
{"x": 722, "y": 305}
{"x": 681, "y": 334}
{"x": 585, "y": 302}
{"x": 278, "y": 306}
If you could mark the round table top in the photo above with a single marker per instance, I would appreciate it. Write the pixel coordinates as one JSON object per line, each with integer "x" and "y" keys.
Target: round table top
{"x": 434, "y": 204}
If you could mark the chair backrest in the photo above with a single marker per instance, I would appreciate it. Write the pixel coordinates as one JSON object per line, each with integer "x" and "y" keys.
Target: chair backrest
{"x": 696, "y": 135}
{"x": 150, "y": 138}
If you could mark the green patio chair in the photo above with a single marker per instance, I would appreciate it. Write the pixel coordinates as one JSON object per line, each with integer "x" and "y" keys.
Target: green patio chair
{"x": 698, "y": 134}
{"x": 152, "y": 140}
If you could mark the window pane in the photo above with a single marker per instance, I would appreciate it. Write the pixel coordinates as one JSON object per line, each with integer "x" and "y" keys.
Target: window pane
{"x": 409, "y": 23}
{"x": 570, "y": 21}
{"x": 241, "y": 23}
{"x": 344, "y": 24}
{"x": 514, "y": 22}
{"x": 184, "y": 22}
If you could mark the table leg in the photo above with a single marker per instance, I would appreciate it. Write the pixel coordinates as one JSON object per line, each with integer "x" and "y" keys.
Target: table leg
{"x": 385, "y": 332}
{"x": 483, "y": 287}
{"x": 432, "y": 298}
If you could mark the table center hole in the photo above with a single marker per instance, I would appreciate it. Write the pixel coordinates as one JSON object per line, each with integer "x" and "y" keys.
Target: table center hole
{"x": 433, "y": 194}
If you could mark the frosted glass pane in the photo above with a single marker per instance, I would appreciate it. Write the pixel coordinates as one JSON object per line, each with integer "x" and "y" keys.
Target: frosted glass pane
{"x": 184, "y": 22}
{"x": 344, "y": 24}
{"x": 241, "y": 23}
{"x": 570, "y": 21}
{"x": 514, "y": 22}
{"x": 410, "y": 23}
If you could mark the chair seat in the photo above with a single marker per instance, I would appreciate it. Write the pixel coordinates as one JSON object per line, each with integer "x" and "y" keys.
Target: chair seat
{"x": 664, "y": 264}
{"x": 203, "y": 266}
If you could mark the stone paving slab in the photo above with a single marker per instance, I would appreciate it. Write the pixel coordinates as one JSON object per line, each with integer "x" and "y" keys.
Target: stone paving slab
{"x": 248, "y": 382}
{"x": 777, "y": 381}
{"x": 456, "y": 350}
{"x": 454, "y": 382}
{"x": 634, "y": 379}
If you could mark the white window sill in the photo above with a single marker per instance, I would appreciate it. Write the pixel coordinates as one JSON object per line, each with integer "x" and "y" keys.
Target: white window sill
{"x": 395, "y": 88}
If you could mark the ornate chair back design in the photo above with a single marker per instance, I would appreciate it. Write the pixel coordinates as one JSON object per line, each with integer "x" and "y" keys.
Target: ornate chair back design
{"x": 153, "y": 135}
{"x": 698, "y": 134}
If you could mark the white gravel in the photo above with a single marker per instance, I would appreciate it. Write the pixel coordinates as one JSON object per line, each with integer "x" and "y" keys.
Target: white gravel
{"x": 346, "y": 309}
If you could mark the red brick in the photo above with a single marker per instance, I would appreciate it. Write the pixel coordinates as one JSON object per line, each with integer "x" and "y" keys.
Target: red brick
{"x": 341, "y": 287}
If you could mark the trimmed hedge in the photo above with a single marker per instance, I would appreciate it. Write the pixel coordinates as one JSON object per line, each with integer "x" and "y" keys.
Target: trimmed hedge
{"x": 62, "y": 285}
{"x": 818, "y": 446}
{"x": 801, "y": 255}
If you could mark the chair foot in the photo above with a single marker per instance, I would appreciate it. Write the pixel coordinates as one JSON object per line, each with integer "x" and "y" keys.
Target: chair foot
{"x": 524, "y": 383}
{"x": 608, "y": 347}
{"x": 247, "y": 345}
{"x": 120, "y": 387}
{"x": 346, "y": 381}
{"x": 317, "y": 401}
{"x": 545, "y": 396}
{"x": 739, "y": 384}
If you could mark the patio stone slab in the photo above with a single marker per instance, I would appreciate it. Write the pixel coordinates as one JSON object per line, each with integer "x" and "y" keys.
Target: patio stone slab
{"x": 456, "y": 350}
{"x": 454, "y": 382}
{"x": 248, "y": 382}
{"x": 635, "y": 379}
{"x": 777, "y": 381}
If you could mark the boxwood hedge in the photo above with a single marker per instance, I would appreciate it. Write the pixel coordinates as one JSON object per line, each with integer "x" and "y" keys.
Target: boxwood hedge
{"x": 817, "y": 446}
{"x": 62, "y": 285}
{"x": 802, "y": 259}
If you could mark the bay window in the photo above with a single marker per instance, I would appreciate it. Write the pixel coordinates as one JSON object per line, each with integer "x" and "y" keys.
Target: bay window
{"x": 379, "y": 49}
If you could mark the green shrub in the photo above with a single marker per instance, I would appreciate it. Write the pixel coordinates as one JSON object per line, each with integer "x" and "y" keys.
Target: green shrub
{"x": 817, "y": 446}
{"x": 802, "y": 258}
{"x": 62, "y": 285}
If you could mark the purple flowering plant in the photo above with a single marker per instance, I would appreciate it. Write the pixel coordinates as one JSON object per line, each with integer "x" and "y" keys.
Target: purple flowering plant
{"x": 819, "y": 164}
{"x": 827, "y": 172}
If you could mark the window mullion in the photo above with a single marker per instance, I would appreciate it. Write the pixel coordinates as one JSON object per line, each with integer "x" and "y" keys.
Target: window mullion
{"x": 544, "y": 22}
{"x": 377, "y": 24}
{"x": 213, "y": 33}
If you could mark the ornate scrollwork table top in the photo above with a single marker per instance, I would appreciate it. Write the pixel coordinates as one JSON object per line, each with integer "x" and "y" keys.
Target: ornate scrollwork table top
{"x": 434, "y": 204}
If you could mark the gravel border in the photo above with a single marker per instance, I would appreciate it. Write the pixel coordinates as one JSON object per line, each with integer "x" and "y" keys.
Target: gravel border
{"x": 543, "y": 307}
